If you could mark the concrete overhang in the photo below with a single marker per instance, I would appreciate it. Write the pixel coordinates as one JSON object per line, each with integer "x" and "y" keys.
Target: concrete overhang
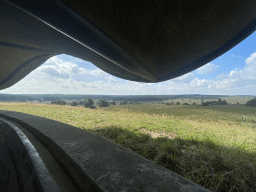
{"x": 144, "y": 41}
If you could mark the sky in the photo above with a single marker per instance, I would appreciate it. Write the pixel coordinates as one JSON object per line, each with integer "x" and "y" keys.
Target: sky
{"x": 233, "y": 73}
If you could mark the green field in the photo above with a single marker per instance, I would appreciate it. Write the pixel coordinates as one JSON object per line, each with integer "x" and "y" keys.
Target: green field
{"x": 209, "y": 145}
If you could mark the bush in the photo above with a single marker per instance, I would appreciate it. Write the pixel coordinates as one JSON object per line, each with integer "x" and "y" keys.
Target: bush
{"x": 89, "y": 103}
{"x": 112, "y": 103}
{"x": 194, "y": 104}
{"x": 103, "y": 103}
{"x": 251, "y": 103}
{"x": 123, "y": 103}
{"x": 205, "y": 103}
{"x": 74, "y": 103}
{"x": 81, "y": 103}
{"x": 219, "y": 102}
{"x": 59, "y": 102}
{"x": 185, "y": 104}
{"x": 167, "y": 103}
{"x": 172, "y": 103}
{"x": 178, "y": 103}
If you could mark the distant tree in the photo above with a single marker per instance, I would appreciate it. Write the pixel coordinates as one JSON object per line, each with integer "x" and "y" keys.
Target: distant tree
{"x": 185, "y": 104}
{"x": 58, "y": 102}
{"x": 178, "y": 103}
{"x": 205, "y": 103}
{"x": 112, "y": 103}
{"x": 103, "y": 103}
{"x": 81, "y": 102}
{"x": 194, "y": 103}
{"x": 89, "y": 103}
{"x": 74, "y": 103}
{"x": 54, "y": 102}
{"x": 251, "y": 103}
{"x": 167, "y": 103}
{"x": 123, "y": 102}
{"x": 222, "y": 102}
{"x": 62, "y": 103}
{"x": 172, "y": 103}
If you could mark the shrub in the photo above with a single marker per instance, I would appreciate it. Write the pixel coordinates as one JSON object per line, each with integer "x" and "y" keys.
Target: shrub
{"x": 59, "y": 102}
{"x": 219, "y": 102}
{"x": 112, "y": 103}
{"x": 123, "y": 103}
{"x": 178, "y": 103}
{"x": 89, "y": 103}
{"x": 185, "y": 104}
{"x": 103, "y": 103}
{"x": 81, "y": 102}
{"x": 194, "y": 104}
{"x": 251, "y": 103}
{"x": 172, "y": 103}
{"x": 205, "y": 103}
{"x": 167, "y": 103}
{"x": 74, "y": 103}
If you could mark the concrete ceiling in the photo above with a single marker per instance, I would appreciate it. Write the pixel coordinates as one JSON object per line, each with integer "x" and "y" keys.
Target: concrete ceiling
{"x": 144, "y": 41}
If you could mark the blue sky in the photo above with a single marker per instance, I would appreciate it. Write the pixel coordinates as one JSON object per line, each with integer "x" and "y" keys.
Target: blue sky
{"x": 233, "y": 73}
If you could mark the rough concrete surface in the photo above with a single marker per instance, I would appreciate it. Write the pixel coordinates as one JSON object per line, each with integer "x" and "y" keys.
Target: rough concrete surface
{"x": 94, "y": 163}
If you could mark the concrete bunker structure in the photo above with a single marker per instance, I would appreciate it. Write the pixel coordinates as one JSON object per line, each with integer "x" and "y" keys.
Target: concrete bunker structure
{"x": 144, "y": 41}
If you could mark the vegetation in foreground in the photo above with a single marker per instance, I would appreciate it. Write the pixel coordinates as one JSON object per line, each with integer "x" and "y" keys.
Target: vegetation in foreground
{"x": 209, "y": 145}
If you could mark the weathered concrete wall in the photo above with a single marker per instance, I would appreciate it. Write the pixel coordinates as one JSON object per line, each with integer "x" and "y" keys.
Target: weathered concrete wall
{"x": 92, "y": 163}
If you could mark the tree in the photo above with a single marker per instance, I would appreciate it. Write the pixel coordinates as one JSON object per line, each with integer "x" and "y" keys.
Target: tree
{"x": 59, "y": 102}
{"x": 205, "y": 103}
{"x": 81, "y": 102}
{"x": 113, "y": 103}
{"x": 167, "y": 103}
{"x": 89, "y": 103}
{"x": 251, "y": 103}
{"x": 178, "y": 103}
{"x": 103, "y": 103}
{"x": 74, "y": 103}
{"x": 123, "y": 103}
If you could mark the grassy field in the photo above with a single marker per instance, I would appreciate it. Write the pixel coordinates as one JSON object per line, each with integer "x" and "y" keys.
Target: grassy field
{"x": 230, "y": 99}
{"x": 209, "y": 145}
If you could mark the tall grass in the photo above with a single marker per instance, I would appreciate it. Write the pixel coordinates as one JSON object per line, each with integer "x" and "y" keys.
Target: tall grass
{"x": 210, "y": 145}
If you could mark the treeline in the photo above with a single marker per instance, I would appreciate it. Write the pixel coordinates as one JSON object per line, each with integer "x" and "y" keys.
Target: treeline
{"x": 251, "y": 103}
{"x": 127, "y": 98}
{"x": 88, "y": 103}
{"x": 219, "y": 102}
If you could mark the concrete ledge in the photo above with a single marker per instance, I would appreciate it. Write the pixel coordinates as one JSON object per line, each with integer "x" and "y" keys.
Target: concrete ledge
{"x": 94, "y": 163}
{"x": 21, "y": 167}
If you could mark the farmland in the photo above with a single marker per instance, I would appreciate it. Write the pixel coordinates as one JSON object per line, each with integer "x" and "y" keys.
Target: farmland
{"x": 209, "y": 145}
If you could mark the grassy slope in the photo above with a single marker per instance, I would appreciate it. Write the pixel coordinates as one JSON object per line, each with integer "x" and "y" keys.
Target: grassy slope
{"x": 209, "y": 145}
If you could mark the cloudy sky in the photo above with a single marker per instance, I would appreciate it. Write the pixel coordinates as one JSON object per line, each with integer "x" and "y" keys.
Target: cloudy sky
{"x": 233, "y": 73}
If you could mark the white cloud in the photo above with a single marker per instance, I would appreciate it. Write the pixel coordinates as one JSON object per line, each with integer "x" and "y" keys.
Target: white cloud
{"x": 60, "y": 69}
{"x": 51, "y": 70}
{"x": 208, "y": 68}
{"x": 97, "y": 72}
{"x": 184, "y": 78}
{"x": 56, "y": 76}
{"x": 111, "y": 79}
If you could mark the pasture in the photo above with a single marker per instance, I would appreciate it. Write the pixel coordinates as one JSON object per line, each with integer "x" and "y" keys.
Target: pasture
{"x": 209, "y": 145}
